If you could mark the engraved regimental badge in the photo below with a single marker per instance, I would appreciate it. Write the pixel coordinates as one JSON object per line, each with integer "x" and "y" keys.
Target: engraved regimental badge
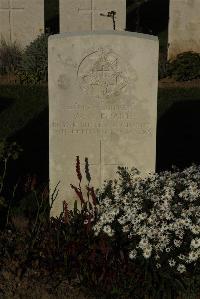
{"x": 101, "y": 74}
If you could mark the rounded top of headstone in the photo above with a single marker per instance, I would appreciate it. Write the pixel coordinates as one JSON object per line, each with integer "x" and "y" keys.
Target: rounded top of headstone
{"x": 105, "y": 32}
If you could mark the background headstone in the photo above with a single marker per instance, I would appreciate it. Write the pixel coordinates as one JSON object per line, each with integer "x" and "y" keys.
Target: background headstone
{"x": 21, "y": 20}
{"x": 102, "y": 105}
{"x": 85, "y": 15}
{"x": 184, "y": 27}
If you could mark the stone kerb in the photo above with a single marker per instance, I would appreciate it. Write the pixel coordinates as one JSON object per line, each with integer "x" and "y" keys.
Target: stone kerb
{"x": 21, "y": 21}
{"x": 102, "y": 105}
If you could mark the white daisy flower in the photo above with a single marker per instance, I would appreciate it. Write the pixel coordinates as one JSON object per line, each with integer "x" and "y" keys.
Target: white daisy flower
{"x": 147, "y": 253}
{"x": 172, "y": 263}
{"x": 125, "y": 229}
{"x": 108, "y": 230}
{"x": 158, "y": 266}
{"x": 181, "y": 268}
{"x": 177, "y": 243}
{"x": 132, "y": 254}
{"x": 193, "y": 256}
{"x": 143, "y": 242}
{"x": 195, "y": 243}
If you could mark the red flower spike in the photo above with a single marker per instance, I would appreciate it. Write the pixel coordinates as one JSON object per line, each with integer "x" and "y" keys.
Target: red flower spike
{"x": 87, "y": 172}
{"x": 93, "y": 195}
{"x": 79, "y": 193}
{"x": 78, "y": 169}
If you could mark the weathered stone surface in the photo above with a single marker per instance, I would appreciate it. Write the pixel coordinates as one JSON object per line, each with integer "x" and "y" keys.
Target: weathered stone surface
{"x": 85, "y": 15}
{"x": 184, "y": 27}
{"x": 21, "y": 20}
{"x": 102, "y": 105}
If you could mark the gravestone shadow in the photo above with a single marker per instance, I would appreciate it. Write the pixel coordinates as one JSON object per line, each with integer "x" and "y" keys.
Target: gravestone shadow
{"x": 51, "y": 8}
{"x": 151, "y": 17}
{"x": 178, "y": 135}
{"x": 34, "y": 139}
{"x": 34, "y": 160}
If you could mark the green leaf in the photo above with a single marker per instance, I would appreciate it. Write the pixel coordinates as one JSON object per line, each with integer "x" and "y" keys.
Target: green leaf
{"x": 3, "y": 202}
{"x": 15, "y": 156}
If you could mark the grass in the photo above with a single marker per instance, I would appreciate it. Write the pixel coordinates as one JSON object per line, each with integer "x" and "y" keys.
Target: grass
{"x": 178, "y": 128}
{"x": 24, "y": 118}
{"x": 21, "y": 104}
{"x": 168, "y": 96}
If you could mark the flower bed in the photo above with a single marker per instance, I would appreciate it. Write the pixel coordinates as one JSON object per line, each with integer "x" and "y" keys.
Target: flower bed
{"x": 160, "y": 215}
{"x": 134, "y": 238}
{"x": 158, "y": 219}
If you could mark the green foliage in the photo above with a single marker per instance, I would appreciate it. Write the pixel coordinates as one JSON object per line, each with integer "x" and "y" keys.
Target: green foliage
{"x": 33, "y": 68}
{"x": 185, "y": 67}
{"x": 8, "y": 151}
{"x": 3, "y": 203}
{"x": 10, "y": 57}
{"x": 69, "y": 246}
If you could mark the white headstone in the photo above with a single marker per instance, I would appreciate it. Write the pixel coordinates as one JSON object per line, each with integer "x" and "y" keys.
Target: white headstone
{"x": 102, "y": 105}
{"x": 184, "y": 27}
{"x": 92, "y": 15}
{"x": 21, "y": 20}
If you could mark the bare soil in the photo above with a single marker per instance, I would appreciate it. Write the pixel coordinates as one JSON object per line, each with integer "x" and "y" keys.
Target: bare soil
{"x": 8, "y": 79}
{"x": 171, "y": 83}
{"x": 34, "y": 286}
{"x": 34, "y": 281}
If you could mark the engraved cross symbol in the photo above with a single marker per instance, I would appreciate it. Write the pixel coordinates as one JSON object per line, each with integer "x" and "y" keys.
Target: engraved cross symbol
{"x": 102, "y": 164}
{"x": 10, "y": 10}
{"x": 107, "y": 72}
{"x": 92, "y": 12}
